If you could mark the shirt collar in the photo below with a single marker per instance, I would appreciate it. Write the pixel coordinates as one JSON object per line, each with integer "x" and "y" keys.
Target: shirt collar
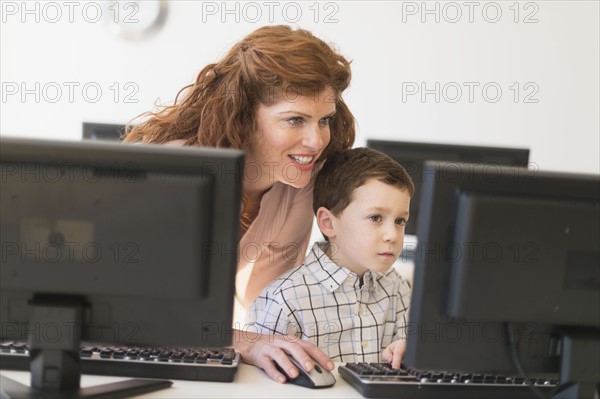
{"x": 331, "y": 276}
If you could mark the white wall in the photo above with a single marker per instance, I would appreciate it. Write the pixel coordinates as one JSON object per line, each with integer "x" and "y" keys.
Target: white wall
{"x": 553, "y": 58}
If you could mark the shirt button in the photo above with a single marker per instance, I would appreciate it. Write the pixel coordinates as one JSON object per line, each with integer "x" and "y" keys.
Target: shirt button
{"x": 364, "y": 344}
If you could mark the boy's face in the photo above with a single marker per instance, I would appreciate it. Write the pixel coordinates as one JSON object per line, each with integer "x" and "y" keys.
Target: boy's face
{"x": 369, "y": 233}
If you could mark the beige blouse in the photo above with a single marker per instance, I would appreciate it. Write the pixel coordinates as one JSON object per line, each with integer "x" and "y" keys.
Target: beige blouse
{"x": 277, "y": 239}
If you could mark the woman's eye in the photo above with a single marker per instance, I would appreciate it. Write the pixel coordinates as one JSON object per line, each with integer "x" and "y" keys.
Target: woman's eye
{"x": 295, "y": 120}
{"x": 326, "y": 121}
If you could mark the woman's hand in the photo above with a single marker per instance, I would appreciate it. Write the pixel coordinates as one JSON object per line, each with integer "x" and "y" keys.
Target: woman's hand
{"x": 394, "y": 353}
{"x": 265, "y": 350}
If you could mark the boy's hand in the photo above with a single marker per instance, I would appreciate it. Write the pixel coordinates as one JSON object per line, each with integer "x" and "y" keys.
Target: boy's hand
{"x": 394, "y": 353}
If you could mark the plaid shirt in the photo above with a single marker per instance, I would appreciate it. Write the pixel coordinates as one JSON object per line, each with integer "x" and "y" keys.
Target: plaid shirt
{"x": 323, "y": 303}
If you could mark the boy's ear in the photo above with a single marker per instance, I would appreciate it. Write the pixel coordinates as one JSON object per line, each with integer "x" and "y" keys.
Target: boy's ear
{"x": 325, "y": 222}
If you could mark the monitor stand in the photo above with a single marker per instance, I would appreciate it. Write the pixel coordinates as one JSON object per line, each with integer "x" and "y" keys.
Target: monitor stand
{"x": 580, "y": 367}
{"x": 55, "y": 331}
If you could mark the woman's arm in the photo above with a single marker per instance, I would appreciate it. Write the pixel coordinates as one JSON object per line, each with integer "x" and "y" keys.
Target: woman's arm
{"x": 265, "y": 350}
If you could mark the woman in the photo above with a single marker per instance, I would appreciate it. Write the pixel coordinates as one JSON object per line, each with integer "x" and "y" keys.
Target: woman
{"x": 276, "y": 95}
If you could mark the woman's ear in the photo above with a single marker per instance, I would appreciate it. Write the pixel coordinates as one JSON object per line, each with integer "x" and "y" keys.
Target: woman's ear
{"x": 325, "y": 222}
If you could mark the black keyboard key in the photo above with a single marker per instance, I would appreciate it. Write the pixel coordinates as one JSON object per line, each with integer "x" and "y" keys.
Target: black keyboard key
{"x": 202, "y": 357}
{"x": 155, "y": 352}
{"x": 356, "y": 368}
{"x": 5, "y": 346}
{"x": 19, "y": 348}
{"x": 86, "y": 351}
{"x": 189, "y": 357}
{"x": 132, "y": 354}
{"x": 398, "y": 372}
{"x": 164, "y": 356}
{"x": 518, "y": 381}
{"x": 106, "y": 353}
{"x": 176, "y": 356}
{"x": 228, "y": 357}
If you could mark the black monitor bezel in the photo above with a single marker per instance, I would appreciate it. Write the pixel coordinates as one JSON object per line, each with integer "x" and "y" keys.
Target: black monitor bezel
{"x": 438, "y": 342}
{"x": 103, "y": 131}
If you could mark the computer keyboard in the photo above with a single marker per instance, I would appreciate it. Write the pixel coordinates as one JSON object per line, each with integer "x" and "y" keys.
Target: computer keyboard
{"x": 379, "y": 380}
{"x": 198, "y": 364}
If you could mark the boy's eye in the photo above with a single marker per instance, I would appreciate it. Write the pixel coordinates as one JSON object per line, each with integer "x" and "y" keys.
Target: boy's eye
{"x": 401, "y": 221}
{"x": 376, "y": 218}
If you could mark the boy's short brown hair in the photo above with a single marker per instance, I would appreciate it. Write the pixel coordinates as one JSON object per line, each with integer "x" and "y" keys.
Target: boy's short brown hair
{"x": 347, "y": 170}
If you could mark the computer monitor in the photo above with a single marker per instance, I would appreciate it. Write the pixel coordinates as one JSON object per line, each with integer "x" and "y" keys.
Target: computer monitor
{"x": 412, "y": 155}
{"x": 507, "y": 275}
{"x": 115, "y": 243}
{"x": 102, "y": 131}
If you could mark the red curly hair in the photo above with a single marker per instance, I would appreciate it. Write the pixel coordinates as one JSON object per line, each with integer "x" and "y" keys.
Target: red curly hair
{"x": 219, "y": 108}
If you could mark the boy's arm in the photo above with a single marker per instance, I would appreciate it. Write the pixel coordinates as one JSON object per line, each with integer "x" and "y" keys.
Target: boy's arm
{"x": 402, "y": 306}
{"x": 394, "y": 352}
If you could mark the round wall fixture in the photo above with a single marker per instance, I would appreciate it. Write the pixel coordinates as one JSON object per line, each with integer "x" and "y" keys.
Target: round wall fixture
{"x": 135, "y": 20}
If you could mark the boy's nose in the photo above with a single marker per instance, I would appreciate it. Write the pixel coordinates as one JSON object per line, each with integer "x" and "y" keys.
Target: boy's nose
{"x": 390, "y": 234}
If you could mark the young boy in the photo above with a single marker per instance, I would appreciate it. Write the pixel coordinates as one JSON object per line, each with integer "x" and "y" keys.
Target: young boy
{"x": 346, "y": 298}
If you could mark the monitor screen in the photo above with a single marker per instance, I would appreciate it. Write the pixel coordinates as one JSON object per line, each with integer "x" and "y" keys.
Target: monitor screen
{"x": 103, "y": 131}
{"x": 142, "y": 238}
{"x": 412, "y": 155}
{"x": 507, "y": 273}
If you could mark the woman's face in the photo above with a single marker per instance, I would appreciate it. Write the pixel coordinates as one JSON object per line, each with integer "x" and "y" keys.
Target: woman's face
{"x": 291, "y": 134}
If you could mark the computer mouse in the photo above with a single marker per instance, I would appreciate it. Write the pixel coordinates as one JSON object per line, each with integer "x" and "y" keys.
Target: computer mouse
{"x": 318, "y": 377}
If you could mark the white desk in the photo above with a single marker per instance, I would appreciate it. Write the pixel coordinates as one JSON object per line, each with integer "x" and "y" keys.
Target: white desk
{"x": 250, "y": 382}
